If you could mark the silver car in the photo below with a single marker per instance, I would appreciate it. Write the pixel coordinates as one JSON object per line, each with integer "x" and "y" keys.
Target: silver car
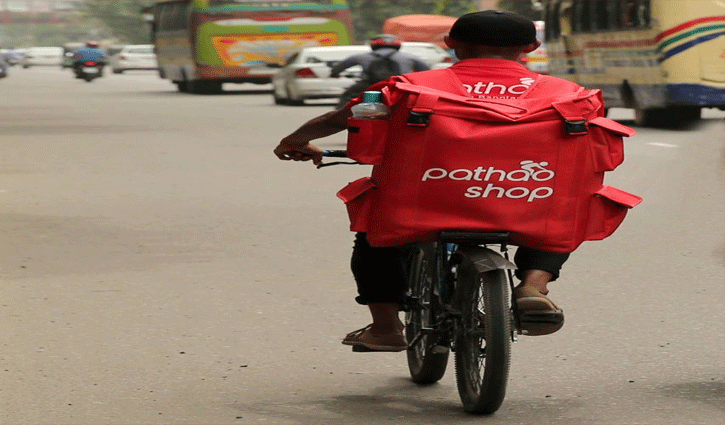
{"x": 134, "y": 56}
{"x": 306, "y": 74}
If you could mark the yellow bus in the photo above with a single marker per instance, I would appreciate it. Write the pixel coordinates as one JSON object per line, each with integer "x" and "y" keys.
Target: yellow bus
{"x": 663, "y": 58}
{"x": 201, "y": 44}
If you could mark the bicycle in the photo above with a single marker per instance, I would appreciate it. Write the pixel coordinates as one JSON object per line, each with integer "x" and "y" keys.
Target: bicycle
{"x": 458, "y": 299}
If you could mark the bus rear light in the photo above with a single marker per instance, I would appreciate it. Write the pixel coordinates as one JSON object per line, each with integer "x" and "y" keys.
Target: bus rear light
{"x": 122, "y": 57}
{"x": 305, "y": 73}
{"x": 89, "y": 63}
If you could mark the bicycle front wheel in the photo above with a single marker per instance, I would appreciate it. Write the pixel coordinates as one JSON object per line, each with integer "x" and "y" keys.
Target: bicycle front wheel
{"x": 426, "y": 361}
{"x": 483, "y": 343}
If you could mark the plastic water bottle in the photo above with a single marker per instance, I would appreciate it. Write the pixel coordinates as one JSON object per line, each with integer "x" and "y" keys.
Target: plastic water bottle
{"x": 371, "y": 107}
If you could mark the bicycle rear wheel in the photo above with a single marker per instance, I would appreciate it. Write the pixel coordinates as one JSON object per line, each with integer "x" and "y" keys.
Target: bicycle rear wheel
{"x": 427, "y": 362}
{"x": 483, "y": 344}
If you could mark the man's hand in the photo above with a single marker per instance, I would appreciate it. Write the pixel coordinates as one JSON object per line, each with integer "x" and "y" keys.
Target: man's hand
{"x": 307, "y": 152}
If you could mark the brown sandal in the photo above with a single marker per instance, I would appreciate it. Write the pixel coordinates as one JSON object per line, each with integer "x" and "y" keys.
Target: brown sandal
{"x": 364, "y": 340}
{"x": 538, "y": 315}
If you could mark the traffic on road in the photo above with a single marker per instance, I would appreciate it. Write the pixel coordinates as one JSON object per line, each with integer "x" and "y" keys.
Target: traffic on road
{"x": 160, "y": 265}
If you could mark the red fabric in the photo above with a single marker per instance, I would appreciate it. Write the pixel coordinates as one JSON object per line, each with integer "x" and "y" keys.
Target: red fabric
{"x": 481, "y": 78}
{"x": 430, "y": 28}
{"x": 490, "y": 164}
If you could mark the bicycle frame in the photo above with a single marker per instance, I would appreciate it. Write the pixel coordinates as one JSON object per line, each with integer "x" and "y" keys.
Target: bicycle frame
{"x": 473, "y": 247}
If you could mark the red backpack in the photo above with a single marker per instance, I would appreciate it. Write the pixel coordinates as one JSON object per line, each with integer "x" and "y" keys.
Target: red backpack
{"x": 533, "y": 166}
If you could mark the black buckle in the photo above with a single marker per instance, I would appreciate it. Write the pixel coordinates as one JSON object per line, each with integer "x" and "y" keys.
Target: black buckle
{"x": 418, "y": 119}
{"x": 576, "y": 128}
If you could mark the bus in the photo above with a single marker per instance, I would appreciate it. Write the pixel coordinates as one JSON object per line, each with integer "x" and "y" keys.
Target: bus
{"x": 201, "y": 44}
{"x": 663, "y": 58}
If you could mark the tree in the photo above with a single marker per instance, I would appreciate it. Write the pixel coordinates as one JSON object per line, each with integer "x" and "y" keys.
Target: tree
{"x": 121, "y": 19}
{"x": 522, "y": 7}
{"x": 369, "y": 15}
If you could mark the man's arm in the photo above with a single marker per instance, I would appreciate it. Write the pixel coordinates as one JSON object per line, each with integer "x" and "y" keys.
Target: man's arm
{"x": 297, "y": 147}
{"x": 343, "y": 65}
{"x": 420, "y": 65}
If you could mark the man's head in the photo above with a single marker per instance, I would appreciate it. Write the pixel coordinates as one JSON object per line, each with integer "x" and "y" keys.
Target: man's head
{"x": 492, "y": 33}
{"x": 385, "y": 41}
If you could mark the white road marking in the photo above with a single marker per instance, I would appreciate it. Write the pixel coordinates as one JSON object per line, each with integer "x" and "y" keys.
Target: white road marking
{"x": 663, "y": 145}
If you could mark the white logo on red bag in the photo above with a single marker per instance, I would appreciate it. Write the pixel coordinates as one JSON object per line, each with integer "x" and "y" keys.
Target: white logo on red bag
{"x": 529, "y": 171}
{"x": 494, "y": 90}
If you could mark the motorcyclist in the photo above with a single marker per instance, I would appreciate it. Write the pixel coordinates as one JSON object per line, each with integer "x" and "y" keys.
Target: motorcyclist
{"x": 4, "y": 64}
{"x": 90, "y": 53}
{"x": 383, "y": 45}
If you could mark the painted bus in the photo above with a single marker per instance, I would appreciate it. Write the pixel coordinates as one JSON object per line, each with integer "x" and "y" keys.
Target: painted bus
{"x": 663, "y": 58}
{"x": 201, "y": 44}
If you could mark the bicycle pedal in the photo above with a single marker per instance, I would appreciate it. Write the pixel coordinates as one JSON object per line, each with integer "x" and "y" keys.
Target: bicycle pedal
{"x": 541, "y": 317}
{"x": 363, "y": 349}
{"x": 439, "y": 349}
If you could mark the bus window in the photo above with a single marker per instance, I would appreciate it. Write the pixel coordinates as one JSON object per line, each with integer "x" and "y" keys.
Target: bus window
{"x": 553, "y": 25}
{"x": 582, "y": 16}
{"x": 628, "y": 13}
{"x": 643, "y": 14}
{"x": 613, "y": 15}
{"x": 600, "y": 19}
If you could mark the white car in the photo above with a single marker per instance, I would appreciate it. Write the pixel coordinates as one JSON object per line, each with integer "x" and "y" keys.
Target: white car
{"x": 133, "y": 57}
{"x": 42, "y": 56}
{"x": 434, "y": 55}
{"x": 306, "y": 74}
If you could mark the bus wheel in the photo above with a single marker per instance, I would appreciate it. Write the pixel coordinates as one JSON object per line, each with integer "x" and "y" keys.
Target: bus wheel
{"x": 205, "y": 87}
{"x": 666, "y": 117}
{"x": 182, "y": 86}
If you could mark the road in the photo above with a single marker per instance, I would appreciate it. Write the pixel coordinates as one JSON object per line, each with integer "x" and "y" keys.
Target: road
{"x": 159, "y": 265}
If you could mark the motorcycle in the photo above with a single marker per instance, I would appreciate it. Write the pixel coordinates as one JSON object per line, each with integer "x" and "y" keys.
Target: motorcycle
{"x": 89, "y": 70}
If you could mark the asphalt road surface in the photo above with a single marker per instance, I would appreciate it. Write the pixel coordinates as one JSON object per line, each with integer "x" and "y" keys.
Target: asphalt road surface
{"x": 159, "y": 265}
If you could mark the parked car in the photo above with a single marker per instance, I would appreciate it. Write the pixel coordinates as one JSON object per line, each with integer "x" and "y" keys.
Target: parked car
{"x": 42, "y": 56}
{"x": 306, "y": 75}
{"x": 133, "y": 57}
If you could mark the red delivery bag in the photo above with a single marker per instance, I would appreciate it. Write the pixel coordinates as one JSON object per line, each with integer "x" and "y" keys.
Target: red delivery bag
{"x": 532, "y": 166}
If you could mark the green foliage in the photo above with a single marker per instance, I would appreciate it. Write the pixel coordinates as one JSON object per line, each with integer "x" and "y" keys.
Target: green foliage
{"x": 522, "y": 7}
{"x": 120, "y": 19}
{"x": 369, "y": 15}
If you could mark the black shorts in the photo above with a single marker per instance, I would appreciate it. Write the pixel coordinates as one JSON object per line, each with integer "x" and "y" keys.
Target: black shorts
{"x": 380, "y": 271}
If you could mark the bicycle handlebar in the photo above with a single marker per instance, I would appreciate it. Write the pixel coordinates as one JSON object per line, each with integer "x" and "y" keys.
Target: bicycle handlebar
{"x": 335, "y": 153}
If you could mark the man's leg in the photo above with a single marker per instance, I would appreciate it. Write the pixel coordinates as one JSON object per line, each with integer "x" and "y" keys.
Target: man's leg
{"x": 537, "y": 268}
{"x": 539, "y": 315}
{"x": 381, "y": 286}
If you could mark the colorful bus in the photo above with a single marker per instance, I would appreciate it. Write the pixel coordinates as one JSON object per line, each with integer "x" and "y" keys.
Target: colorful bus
{"x": 663, "y": 58}
{"x": 201, "y": 44}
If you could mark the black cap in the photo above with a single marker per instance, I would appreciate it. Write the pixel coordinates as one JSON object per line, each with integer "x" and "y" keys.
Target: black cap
{"x": 494, "y": 28}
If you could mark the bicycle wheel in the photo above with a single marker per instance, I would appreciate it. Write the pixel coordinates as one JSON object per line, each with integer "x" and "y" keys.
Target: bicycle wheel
{"x": 483, "y": 344}
{"x": 426, "y": 362}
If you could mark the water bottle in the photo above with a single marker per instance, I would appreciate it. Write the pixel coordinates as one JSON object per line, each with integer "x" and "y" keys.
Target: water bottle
{"x": 371, "y": 107}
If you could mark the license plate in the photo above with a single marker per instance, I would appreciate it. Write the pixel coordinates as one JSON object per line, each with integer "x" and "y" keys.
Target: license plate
{"x": 90, "y": 69}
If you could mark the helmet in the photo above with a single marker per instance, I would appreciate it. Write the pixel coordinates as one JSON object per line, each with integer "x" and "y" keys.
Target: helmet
{"x": 385, "y": 40}
{"x": 92, "y": 44}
